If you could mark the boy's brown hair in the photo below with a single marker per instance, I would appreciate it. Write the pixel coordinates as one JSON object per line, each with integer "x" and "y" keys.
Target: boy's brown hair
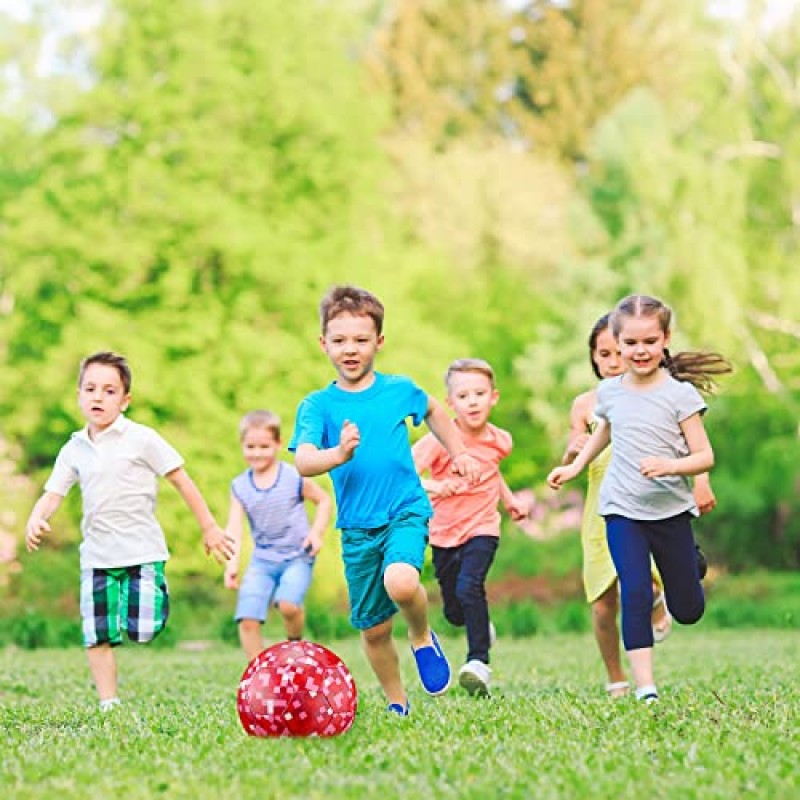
{"x": 109, "y": 359}
{"x": 260, "y": 419}
{"x": 470, "y": 365}
{"x": 350, "y": 300}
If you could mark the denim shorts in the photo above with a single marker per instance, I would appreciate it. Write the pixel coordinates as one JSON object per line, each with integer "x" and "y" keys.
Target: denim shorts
{"x": 367, "y": 552}
{"x": 134, "y": 599}
{"x": 266, "y": 581}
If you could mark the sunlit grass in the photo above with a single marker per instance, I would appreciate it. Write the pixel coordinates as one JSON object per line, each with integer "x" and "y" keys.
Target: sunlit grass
{"x": 727, "y": 727}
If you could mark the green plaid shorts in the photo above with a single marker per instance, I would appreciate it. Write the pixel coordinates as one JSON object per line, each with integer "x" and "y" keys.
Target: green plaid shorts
{"x": 134, "y": 599}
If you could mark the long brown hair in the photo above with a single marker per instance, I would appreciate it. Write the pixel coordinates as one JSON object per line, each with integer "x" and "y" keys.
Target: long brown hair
{"x": 698, "y": 367}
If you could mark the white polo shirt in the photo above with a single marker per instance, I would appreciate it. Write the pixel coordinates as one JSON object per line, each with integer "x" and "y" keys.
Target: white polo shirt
{"x": 118, "y": 475}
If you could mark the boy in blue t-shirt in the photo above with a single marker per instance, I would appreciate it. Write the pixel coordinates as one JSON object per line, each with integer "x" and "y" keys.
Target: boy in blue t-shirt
{"x": 355, "y": 429}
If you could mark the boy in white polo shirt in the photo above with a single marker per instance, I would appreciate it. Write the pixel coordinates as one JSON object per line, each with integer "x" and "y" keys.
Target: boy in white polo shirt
{"x": 117, "y": 463}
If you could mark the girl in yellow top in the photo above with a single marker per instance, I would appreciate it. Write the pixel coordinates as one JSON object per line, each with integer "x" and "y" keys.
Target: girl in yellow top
{"x": 599, "y": 576}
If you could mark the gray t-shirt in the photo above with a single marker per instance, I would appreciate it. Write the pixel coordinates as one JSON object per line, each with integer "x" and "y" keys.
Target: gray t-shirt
{"x": 646, "y": 422}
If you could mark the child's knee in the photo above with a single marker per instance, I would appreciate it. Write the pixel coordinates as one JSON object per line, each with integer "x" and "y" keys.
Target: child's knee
{"x": 690, "y": 615}
{"x": 377, "y": 634}
{"x": 605, "y": 608}
{"x": 145, "y": 637}
{"x": 401, "y": 582}
{"x": 470, "y": 589}
{"x": 289, "y": 610}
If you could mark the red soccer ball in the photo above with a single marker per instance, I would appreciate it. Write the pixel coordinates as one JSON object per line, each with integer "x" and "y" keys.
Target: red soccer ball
{"x": 297, "y": 689}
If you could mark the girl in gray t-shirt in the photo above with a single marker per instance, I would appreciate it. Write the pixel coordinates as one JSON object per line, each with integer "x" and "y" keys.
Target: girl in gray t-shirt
{"x": 653, "y": 415}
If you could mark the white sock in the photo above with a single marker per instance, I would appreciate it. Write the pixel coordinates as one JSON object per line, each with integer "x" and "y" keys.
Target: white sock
{"x": 107, "y": 705}
{"x": 643, "y": 691}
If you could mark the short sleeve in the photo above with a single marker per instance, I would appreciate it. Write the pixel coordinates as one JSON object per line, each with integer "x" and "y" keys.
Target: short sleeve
{"x": 159, "y": 455}
{"x": 64, "y": 475}
{"x": 603, "y": 405}
{"x": 424, "y": 452}
{"x": 688, "y": 401}
{"x": 308, "y": 426}
{"x": 503, "y": 442}
{"x": 418, "y": 406}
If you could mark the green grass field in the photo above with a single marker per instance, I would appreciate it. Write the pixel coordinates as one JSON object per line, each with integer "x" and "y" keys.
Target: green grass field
{"x": 728, "y": 726}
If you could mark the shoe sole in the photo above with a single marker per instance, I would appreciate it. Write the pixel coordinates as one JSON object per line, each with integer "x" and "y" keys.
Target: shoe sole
{"x": 473, "y": 684}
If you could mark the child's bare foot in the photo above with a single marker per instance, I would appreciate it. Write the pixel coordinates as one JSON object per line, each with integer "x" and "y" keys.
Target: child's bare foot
{"x": 618, "y": 689}
{"x": 661, "y": 619}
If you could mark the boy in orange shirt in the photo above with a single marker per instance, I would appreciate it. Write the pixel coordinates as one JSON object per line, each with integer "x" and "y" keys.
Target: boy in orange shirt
{"x": 465, "y": 529}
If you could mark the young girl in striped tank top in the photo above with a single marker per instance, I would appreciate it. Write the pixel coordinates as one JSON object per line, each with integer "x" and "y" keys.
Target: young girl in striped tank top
{"x": 271, "y": 495}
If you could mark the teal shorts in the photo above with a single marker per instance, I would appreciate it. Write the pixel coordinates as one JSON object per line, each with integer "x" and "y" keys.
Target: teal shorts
{"x": 367, "y": 552}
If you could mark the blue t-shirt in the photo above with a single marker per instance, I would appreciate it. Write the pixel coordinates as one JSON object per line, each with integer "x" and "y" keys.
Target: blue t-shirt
{"x": 277, "y": 514}
{"x": 380, "y": 481}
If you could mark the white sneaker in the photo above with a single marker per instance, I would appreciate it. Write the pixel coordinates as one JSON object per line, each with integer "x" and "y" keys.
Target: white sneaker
{"x": 109, "y": 705}
{"x": 475, "y": 677}
{"x": 492, "y": 634}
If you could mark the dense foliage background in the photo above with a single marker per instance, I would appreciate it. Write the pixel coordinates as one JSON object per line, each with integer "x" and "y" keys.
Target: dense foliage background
{"x": 186, "y": 179}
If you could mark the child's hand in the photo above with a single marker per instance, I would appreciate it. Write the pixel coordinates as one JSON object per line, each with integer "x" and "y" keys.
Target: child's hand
{"x": 349, "y": 439}
{"x": 467, "y": 467}
{"x": 704, "y": 496}
{"x": 445, "y": 488}
{"x": 34, "y": 529}
{"x": 518, "y": 509}
{"x": 560, "y": 475}
{"x": 655, "y": 467}
{"x": 231, "y": 579}
{"x": 312, "y": 544}
{"x": 218, "y": 543}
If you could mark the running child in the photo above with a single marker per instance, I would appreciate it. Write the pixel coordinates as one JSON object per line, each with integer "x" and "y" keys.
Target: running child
{"x": 465, "y": 529}
{"x": 355, "y": 428}
{"x": 599, "y": 574}
{"x": 653, "y": 413}
{"x": 117, "y": 463}
{"x": 271, "y": 495}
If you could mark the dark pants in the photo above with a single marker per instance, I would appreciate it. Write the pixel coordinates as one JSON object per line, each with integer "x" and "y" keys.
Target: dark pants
{"x": 461, "y": 573}
{"x": 672, "y": 544}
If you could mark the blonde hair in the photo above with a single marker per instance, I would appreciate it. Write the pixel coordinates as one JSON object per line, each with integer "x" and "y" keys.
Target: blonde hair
{"x": 260, "y": 419}
{"x": 470, "y": 365}
{"x": 698, "y": 367}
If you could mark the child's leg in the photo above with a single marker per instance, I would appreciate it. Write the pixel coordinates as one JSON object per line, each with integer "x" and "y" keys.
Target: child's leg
{"x": 403, "y": 556}
{"x": 103, "y": 667}
{"x": 477, "y": 555}
{"x": 403, "y": 586}
{"x": 606, "y": 632}
{"x": 446, "y": 566}
{"x": 675, "y": 555}
{"x": 250, "y": 637}
{"x": 100, "y": 612}
{"x": 382, "y": 656}
{"x": 144, "y": 601}
{"x": 630, "y": 550}
{"x": 294, "y": 619}
{"x": 293, "y": 584}
{"x": 257, "y": 587}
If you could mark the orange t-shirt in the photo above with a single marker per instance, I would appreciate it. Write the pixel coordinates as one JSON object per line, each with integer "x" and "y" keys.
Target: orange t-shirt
{"x": 472, "y": 511}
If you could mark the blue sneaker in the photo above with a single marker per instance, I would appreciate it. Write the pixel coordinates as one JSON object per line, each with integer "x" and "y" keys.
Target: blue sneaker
{"x": 401, "y": 711}
{"x": 434, "y": 671}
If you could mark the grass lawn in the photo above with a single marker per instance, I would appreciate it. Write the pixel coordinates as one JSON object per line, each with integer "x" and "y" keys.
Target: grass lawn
{"x": 728, "y": 726}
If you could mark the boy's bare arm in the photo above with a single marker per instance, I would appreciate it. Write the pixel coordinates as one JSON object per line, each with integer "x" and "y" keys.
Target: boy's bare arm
{"x": 322, "y": 517}
{"x": 37, "y": 523}
{"x": 444, "y": 429}
{"x": 215, "y": 540}
{"x": 310, "y": 460}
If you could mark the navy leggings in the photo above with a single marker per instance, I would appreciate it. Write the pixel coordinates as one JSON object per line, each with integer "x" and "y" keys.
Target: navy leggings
{"x": 461, "y": 572}
{"x": 671, "y": 542}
